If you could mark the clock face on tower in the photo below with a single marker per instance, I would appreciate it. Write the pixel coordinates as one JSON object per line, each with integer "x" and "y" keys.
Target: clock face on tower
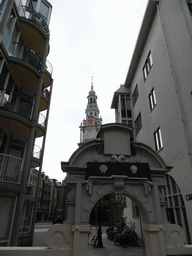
{"x": 90, "y": 121}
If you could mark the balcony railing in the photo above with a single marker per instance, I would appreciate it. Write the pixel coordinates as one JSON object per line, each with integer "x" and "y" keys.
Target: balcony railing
{"x": 37, "y": 151}
{"x": 46, "y": 93}
{"x": 42, "y": 120}
{"x": 10, "y": 169}
{"x": 26, "y": 54}
{"x": 35, "y": 17}
{"x": 31, "y": 190}
{"x": 49, "y": 67}
{"x": 16, "y": 102}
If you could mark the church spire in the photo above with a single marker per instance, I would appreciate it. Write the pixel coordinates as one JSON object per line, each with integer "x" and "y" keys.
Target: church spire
{"x": 92, "y": 83}
{"x": 90, "y": 126}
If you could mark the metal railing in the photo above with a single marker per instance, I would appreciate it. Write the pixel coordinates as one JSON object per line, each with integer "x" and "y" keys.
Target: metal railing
{"x": 26, "y": 54}
{"x": 49, "y": 67}
{"x": 35, "y": 17}
{"x": 42, "y": 120}
{"x": 37, "y": 151}
{"x": 10, "y": 168}
{"x": 16, "y": 102}
{"x": 46, "y": 93}
{"x": 31, "y": 190}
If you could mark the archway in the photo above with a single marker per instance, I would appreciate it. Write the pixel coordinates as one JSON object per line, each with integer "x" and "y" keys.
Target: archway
{"x": 114, "y": 164}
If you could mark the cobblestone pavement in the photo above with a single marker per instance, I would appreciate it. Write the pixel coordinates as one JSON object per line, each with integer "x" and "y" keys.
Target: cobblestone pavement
{"x": 110, "y": 249}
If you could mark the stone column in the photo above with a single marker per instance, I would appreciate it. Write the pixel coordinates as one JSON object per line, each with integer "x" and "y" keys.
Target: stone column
{"x": 154, "y": 240}
{"x": 80, "y": 242}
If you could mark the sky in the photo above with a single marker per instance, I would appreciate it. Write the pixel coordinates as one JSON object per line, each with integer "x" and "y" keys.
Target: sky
{"x": 88, "y": 38}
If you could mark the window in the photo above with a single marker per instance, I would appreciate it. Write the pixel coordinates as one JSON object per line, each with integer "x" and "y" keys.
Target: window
{"x": 125, "y": 106}
{"x": 175, "y": 207}
{"x": 44, "y": 10}
{"x": 34, "y": 3}
{"x": 135, "y": 95}
{"x": 158, "y": 139}
{"x": 148, "y": 65}
{"x": 152, "y": 99}
{"x": 135, "y": 210}
{"x": 138, "y": 124}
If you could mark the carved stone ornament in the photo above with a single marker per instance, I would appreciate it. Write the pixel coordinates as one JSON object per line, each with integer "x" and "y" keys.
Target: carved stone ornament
{"x": 60, "y": 236}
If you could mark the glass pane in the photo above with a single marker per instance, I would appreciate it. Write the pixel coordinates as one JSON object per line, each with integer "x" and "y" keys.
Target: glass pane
{"x": 170, "y": 215}
{"x": 176, "y": 201}
{"x": 154, "y": 97}
{"x": 170, "y": 202}
{"x": 174, "y": 186}
{"x": 2, "y": 2}
{"x": 160, "y": 138}
{"x": 44, "y": 10}
{"x": 34, "y": 3}
{"x": 24, "y": 2}
{"x": 178, "y": 216}
{"x": 150, "y": 60}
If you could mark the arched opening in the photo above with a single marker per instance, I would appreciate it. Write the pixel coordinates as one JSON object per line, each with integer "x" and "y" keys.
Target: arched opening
{"x": 110, "y": 215}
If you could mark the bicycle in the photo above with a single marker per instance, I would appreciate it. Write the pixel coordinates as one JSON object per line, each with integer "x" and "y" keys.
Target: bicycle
{"x": 94, "y": 240}
{"x": 131, "y": 239}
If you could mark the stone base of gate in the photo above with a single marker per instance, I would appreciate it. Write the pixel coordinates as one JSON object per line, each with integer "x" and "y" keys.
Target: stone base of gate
{"x": 165, "y": 239}
{"x": 34, "y": 251}
{"x": 72, "y": 237}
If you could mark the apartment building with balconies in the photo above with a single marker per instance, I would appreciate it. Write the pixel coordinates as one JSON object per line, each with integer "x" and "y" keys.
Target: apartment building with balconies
{"x": 158, "y": 83}
{"x": 25, "y": 94}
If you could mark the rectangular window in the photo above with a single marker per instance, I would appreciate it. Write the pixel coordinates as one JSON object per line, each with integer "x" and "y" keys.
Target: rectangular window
{"x": 158, "y": 139}
{"x": 138, "y": 124}
{"x": 147, "y": 66}
{"x": 152, "y": 99}
{"x": 44, "y": 10}
{"x": 135, "y": 210}
{"x": 135, "y": 95}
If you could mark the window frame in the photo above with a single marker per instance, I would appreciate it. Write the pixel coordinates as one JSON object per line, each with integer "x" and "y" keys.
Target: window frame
{"x": 138, "y": 123}
{"x": 147, "y": 66}
{"x": 158, "y": 139}
{"x": 135, "y": 95}
{"x": 152, "y": 99}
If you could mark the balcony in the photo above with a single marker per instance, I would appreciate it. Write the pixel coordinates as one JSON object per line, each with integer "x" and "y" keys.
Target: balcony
{"x": 48, "y": 74}
{"x": 26, "y": 54}
{"x": 16, "y": 102}
{"x": 45, "y": 99}
{"x": 31, "y": 190}
{"x": 10, "y": 169}
{"x": 40, "y": 128}
{"x": 34, "y": 28}
{"x": 36, "y": 157}
{"x": 25, "y": 65}
{"x": 15, "y": 113}
{"x": 35, "y": 17}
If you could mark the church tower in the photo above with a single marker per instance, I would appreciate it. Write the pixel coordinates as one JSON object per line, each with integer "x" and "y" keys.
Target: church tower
{"x": 90, "y": 126}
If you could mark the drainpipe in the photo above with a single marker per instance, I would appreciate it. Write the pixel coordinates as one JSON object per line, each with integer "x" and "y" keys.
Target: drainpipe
{"x": 176, "y": 92}
{"x": 4, "y": 18}
{"x": 29, "y": 150}
{"x": 39, "y": 173}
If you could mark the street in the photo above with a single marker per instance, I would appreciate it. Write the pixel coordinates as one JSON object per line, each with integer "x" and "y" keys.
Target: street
{"x": 109, "y": 248}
